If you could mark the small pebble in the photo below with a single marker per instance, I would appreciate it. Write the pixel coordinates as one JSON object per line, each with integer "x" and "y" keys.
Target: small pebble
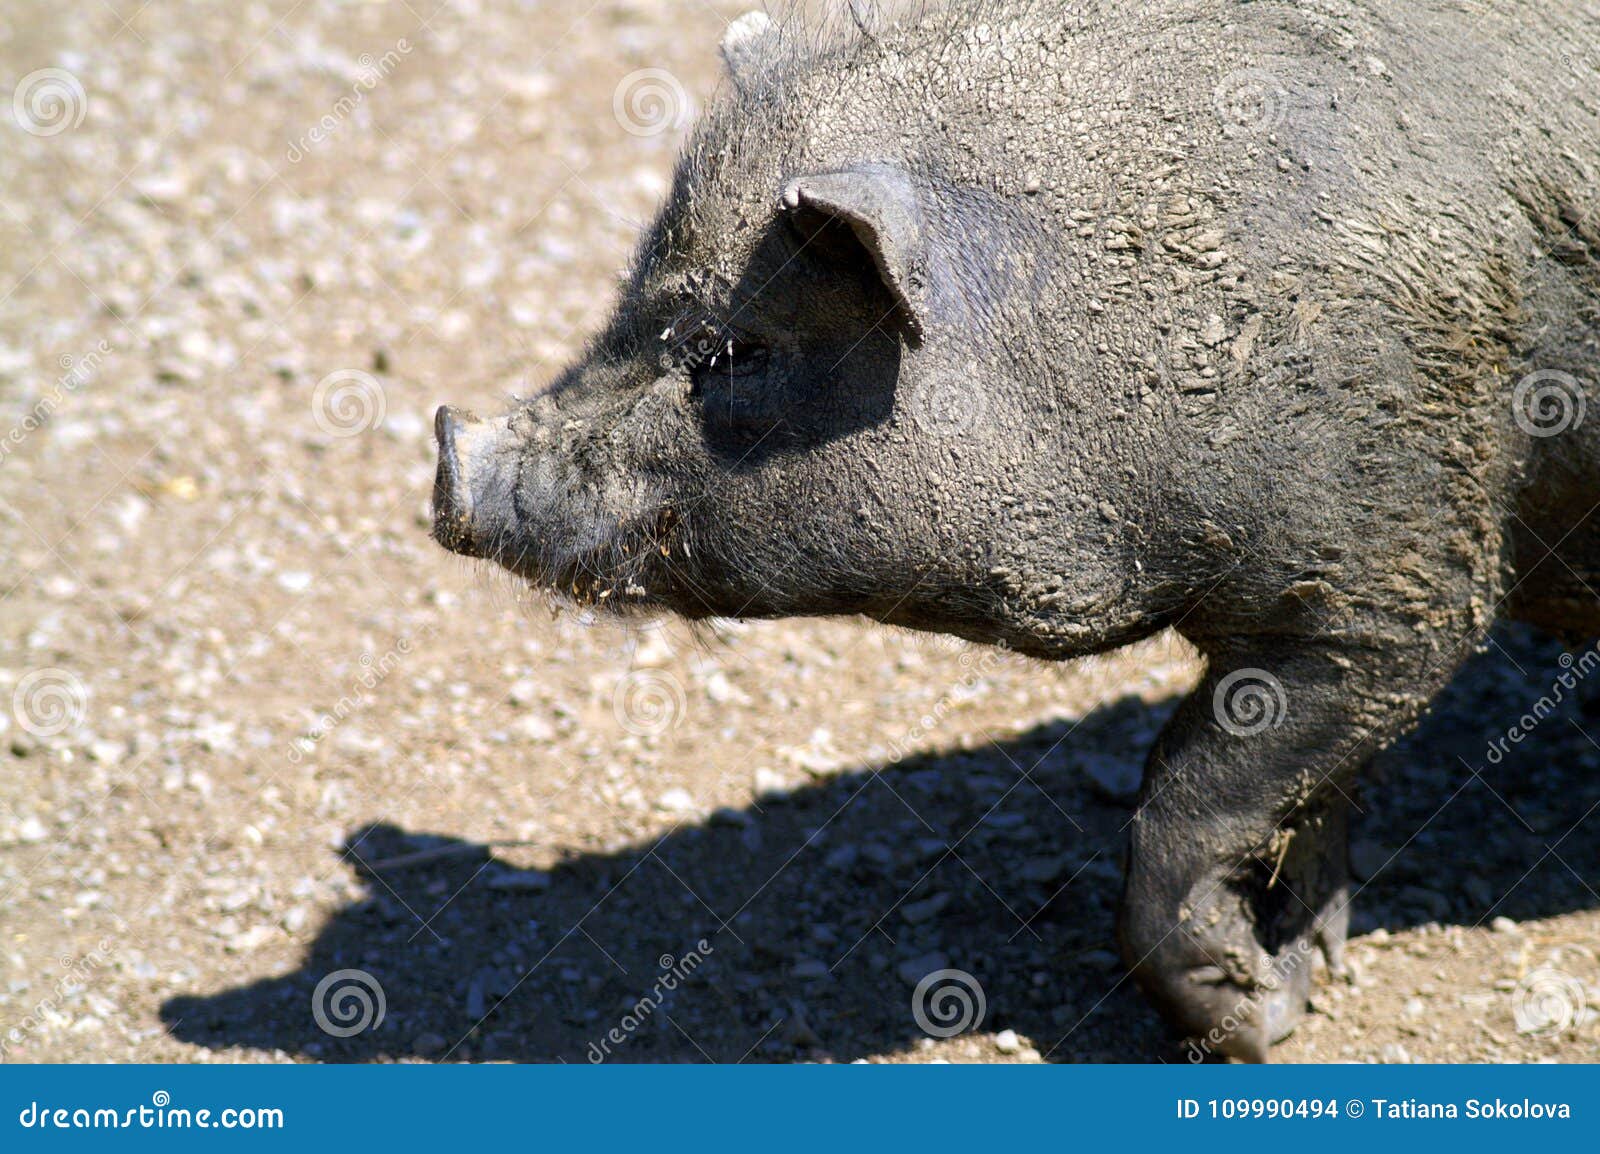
{"x": 841, "y": 857}
{"x": 529, "y": 880}
{"x": 1117, "y": 779}
{"x": 676, "y": 800}
{"x": 1042, "y": 869}
{"x": 913, "y": 970}
{"x": 918, "y": 912}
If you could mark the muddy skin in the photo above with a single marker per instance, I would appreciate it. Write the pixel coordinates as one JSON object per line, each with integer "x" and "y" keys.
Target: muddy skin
{"x": 1272, "y": 323}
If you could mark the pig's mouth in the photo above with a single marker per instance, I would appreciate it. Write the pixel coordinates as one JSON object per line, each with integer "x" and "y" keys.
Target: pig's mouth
{"x": 614, "y": 566}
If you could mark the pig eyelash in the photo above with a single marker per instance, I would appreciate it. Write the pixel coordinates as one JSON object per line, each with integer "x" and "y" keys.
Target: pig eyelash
{"x": 735, "y": 356}
{"x": 682, "y": 335}
{"x": 707, "y": 345}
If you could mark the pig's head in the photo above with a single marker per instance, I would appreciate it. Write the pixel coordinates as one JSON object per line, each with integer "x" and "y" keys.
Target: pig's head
{"x": 797, "y": 406}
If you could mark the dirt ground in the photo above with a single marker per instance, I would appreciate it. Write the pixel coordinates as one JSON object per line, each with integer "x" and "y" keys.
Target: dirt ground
{"x": 257, "y": 732}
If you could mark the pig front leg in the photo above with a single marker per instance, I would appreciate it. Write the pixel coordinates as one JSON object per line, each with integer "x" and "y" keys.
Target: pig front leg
{"x": 1237, "y": 871}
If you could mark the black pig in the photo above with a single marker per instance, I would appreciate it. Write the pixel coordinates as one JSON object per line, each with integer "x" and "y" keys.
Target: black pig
{"x": 1053, "y": 326}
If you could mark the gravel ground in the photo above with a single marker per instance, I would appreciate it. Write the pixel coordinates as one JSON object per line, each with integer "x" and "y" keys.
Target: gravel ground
{"x": 259, "y": 732}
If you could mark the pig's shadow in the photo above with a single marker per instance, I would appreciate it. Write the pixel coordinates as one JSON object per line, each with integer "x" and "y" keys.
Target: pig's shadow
{"x": 818, "y": 909}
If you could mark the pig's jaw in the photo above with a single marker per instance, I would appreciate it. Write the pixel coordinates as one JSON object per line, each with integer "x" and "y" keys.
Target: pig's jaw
{"x": 613, "y": 569}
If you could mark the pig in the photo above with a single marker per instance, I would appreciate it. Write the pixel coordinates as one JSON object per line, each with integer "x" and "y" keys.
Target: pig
{"x": 1052, "y": 327}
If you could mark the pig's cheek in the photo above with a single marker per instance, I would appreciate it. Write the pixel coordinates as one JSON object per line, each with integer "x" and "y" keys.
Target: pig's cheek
{"x": 667, "y": 395}
{"x": 654, "y": 430}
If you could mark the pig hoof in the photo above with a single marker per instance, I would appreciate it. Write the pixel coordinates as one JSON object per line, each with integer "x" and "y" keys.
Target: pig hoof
{"x": 1232, "y": 1019}
{"x": 1284, "y": 1007}
{"x": 1214, "y": 979}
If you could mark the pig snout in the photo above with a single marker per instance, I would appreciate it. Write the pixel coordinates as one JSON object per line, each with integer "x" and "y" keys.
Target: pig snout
{"x": 457, "y": 432}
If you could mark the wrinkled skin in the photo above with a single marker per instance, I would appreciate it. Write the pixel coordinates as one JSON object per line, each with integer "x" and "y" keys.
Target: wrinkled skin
{"x": 1060, "y": 331}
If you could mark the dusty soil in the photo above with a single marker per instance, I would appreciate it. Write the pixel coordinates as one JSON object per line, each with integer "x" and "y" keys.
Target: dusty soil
{"x": 258, "y": 730}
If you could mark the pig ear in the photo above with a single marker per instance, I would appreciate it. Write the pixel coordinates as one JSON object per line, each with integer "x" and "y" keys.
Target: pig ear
{"x": 743, "y": 45}
{"x": 879, "y": 205}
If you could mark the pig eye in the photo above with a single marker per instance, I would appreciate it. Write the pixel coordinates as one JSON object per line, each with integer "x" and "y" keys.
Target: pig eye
{"x": 728, "y": 358}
